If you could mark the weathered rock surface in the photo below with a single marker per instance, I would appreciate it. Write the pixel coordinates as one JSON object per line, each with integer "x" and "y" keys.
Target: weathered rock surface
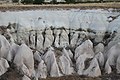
{"x": 85, "y": 48}
{"x": 79, "y": 38}
{"x": 41, "y": 72}
{"x": 51, "y": 63}
{"x": 3, "y": 66}
{"x": 99, "y": 48}
{"x": 24, "y": 60}
{"x": 100, "y": 58}
{"x": 80, "y": 63}
{"x": 94, "y": 69}
{"x": 25, "y": 78}
{"x": 4, "y": 47}
{"x": 12, "y": 52}
{"x": 118, "y": 64}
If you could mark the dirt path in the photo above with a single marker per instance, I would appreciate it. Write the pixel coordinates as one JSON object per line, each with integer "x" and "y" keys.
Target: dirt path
{"x": 11, "y": 7}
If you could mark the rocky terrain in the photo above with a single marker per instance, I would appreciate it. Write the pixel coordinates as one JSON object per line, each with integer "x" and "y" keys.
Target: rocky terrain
{"x": 60, "y": 44}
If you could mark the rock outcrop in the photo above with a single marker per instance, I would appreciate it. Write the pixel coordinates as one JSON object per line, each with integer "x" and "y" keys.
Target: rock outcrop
{"x": 4, "y": 47}
{"x": 51, "y": 63}
{"x": 25, "y": 78}
{"x": 93, "y": 70}
{"x": 3, "y": 66}
{"x": 41, "y": 72}
{"x": 12, "y": 52}
{"x": 24, "y": 60}
{"x": 85, "y": 48}
{"x": 99, "y": 48}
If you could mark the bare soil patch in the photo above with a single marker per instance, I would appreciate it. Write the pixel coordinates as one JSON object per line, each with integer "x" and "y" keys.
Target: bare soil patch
{"x": 14, "y": 7}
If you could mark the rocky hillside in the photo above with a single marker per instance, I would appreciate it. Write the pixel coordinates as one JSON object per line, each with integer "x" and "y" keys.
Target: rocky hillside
{"x": 71, "y": 44}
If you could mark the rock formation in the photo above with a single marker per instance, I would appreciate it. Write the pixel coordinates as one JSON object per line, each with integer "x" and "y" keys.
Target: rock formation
{"x": 24, "y": 60}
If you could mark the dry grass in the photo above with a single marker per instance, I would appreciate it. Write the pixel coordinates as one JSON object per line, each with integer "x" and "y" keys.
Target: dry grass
{"x": 12, "y": 7}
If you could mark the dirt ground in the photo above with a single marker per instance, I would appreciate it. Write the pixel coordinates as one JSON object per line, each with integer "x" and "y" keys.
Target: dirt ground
{"x": 12, "y": 7}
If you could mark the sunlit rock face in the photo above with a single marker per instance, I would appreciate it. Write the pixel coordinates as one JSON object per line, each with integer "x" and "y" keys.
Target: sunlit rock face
{"x": 51, "y": 63}
{"x": 4, "y": 47}
{"x": 42, "y": 28}
{"x": 25, "y": 78}
{"x": 3, "y": 66}
{"x": 85, "y": 48}
{"x": 80, "y": 64}
{"x": 24, "y": 60}
{"x": 99, "y": 48}
{"x": 93, "y": 70}
{"x": 100, "y": 58}
{"x": 12, "y": 51}
{"x": 112, "y": 58}
{"x": 54, "y": 43}
{"x": 65, "y": 63}
{"x": 41, "y": 72}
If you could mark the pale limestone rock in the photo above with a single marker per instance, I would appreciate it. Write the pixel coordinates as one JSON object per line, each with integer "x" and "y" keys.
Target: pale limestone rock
{"x": 100, "y": 57}
{"x": 99, "y": 48}
{"x": 51, "y": 63}
{"x": 12, "y": 52}
{"x": 118, "y": 65}
{"x": 70, "y": 54}
{"x": 25, "y": 78}
{"x": 80, "y": 63}
{"x": 31, "y": 39}
{"x": 66, "y": 54}
{"x": 39, "y": 42}
{"x": 113, "y": 54}
{"x": 83, "y": 34}
{"x": 4, "y": 47}
{"x": 64, "y": 39}
{"x": 56, "y": 43}
{"x": 74, "y": 39}
{"x": 47, "y": 43}
{"x": 37, "y": 56}
{"x": 48, "y": 38}
{"x": 3, "y": 66}
{"x": 24, "y": 59}
{"x": 65, "y": 66}
{"x": 108, "y": 68}
{"x": 24, "y": 70}
{"x": 99, "y": 36}
{"x": 41, "y": 72}
{"x": 94, "y": 69}
{"x": 85, "y": 47}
